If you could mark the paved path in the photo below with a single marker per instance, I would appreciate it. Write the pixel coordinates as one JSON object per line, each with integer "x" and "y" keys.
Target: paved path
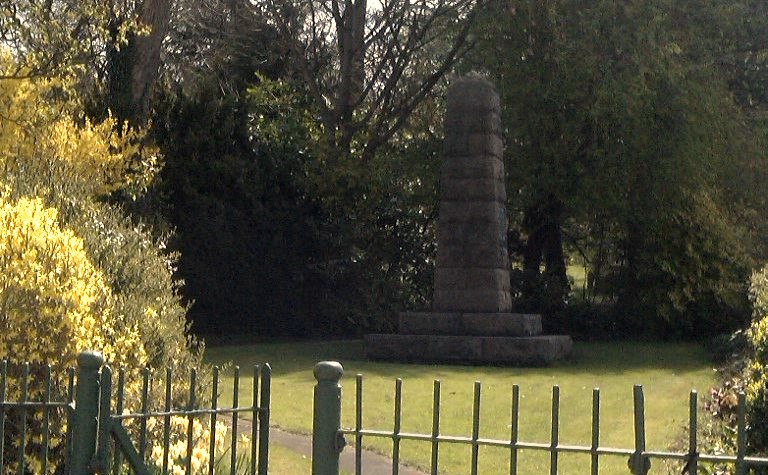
{"x": 372, "y": 463}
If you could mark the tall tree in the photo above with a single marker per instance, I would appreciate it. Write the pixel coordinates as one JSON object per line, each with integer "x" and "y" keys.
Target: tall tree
{"x": 624, "y": 142}
{"x": 154, "y": 16}
{"x": 51, "y": 38}
{"x": 368, "y": 68}
{"x": 133, "y": 59}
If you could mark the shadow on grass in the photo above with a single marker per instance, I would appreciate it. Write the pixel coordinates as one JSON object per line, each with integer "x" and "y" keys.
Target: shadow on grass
{"x": 587, "y": 357}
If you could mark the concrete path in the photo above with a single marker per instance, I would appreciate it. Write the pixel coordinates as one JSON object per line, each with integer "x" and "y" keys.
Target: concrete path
{"x": 372, "y": 463}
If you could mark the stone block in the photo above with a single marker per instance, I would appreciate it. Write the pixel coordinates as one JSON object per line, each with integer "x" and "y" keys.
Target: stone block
{"x": 472, "y": 234}
{"x": 454, "y": 348}
{"x": 471, "y": 301}
{"x": 473, "y": 189}
{"x": 472, "y": 94}
{"x": 500, "y": 324}
{"x": 429, "y": 323}
{"x": 482, "y": 121}
{"x": 475, "y": 211}
{"x": 471, "y": 278}
{"x": 490, "y": 256}
{"x": 511, "y": 351}
{"x": 473, "y": 166}
{"x": 473, "y": 324}
{"x": 473, "y": 143}
{"x": 527, "y": 351}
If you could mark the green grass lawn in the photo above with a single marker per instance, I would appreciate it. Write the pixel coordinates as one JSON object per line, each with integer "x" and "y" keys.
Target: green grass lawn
{"x": 284, "y": 461}
{"x": 667, "y": 371}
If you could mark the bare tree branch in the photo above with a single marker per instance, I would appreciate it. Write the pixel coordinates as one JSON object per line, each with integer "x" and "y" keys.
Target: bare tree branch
{"x": 378, "y": 64}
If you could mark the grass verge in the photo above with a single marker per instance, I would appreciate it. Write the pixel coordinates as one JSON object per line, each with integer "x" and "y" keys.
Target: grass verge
{"x": 667, "y": 371}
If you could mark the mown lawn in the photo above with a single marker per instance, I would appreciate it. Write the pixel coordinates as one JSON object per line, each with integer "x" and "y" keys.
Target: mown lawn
{"x": 667, "y": 371}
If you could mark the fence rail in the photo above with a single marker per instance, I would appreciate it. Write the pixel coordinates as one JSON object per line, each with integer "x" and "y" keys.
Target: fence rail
{"x": 78, "y": 430}
{"x": 24, "y": 406}
{"x": 96, "y": 439}
{"x": 328, "y": 400}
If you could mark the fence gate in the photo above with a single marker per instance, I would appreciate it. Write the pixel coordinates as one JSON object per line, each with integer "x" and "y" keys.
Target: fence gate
{"x": 95, "y": 423}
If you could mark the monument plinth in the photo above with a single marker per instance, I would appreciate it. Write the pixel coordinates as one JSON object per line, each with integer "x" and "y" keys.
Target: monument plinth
{"x": 471, "y": 320}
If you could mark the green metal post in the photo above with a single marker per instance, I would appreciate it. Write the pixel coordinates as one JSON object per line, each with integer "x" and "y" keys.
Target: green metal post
{"x": 639, "y": 463}
{"x": 85, "y": 419}
{"x": 741, "y": 434}
{"x": 327, "y": 441}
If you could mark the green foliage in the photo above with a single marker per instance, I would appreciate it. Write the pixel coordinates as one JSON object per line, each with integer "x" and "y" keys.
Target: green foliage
{"x": 79, "y": 273}
{"x": 745, "y": 372}
{"x": 272, "y": 238}
{"x": 52, "y": 38}
{"x": 756, "y": 380}
{"x": 623, "y": 135}
{"x": 238, "y": 216}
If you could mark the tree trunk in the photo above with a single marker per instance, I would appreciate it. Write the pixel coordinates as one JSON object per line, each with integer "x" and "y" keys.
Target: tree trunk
{"x": 350, "y": 31}
{"x": 543, "y": 225}
{"x": 554, "y": 256}
{"x": 155, "y": 15}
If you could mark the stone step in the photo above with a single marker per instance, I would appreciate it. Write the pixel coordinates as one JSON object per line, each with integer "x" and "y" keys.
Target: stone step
{"x": 470, "y": 324}
{"x": 512, "y": 351}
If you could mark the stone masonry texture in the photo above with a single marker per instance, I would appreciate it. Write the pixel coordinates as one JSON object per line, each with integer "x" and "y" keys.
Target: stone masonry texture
{"x": 472, "y": 273}
{"x": 471, "y": 321}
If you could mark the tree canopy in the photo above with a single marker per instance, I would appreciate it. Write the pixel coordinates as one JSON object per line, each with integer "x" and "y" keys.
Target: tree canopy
{"x": 299, "y": 147}
{"x": 628, "y": 154}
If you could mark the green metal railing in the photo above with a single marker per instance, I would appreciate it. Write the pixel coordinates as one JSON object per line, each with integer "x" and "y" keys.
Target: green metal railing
{"x": 19, "y": 411}
{"x": 329, "y": 435}
{"x": 96, "y": 440}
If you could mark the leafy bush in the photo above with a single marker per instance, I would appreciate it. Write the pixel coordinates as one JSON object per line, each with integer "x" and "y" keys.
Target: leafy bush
{"x": 276, "y": 237}
{"x": 53, "y": 302}
{"x": 755, "y": 372}
{"x": 746, "y": 372}
{"x": 77, "y": 272}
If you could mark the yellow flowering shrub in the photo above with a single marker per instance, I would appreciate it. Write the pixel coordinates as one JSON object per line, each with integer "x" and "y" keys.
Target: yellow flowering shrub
{"x": 53, "y": 302}
{"x": 176, "y": 454}
{"x": 756, "y": 372}
{"x": 76, "y": 272}
{"x": 45, "y": 137}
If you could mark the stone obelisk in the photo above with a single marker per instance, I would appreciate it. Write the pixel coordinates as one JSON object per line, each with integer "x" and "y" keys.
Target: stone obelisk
{"x": 472, "y": 273}
{"x": 470, "y": 321}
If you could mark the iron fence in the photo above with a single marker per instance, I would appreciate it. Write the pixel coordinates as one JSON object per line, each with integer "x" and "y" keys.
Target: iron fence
{"x": 96, "y": 439}
{"x": 329, "y": 435}
{"x": 93, "y": 437}
{"x": 18, "y": 411}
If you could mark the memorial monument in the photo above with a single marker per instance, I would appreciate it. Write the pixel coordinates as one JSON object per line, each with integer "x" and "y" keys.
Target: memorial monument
{"x": 470, "y": 321}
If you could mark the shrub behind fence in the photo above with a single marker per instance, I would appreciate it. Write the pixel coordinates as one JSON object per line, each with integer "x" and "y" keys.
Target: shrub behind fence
{"x": 155, "y": 437}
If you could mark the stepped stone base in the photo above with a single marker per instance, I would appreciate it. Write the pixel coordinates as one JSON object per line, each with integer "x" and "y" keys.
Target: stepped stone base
{"x": 471, "y": 324}
{"x": 514, "y": 351}
{"x": 469, "y": 338}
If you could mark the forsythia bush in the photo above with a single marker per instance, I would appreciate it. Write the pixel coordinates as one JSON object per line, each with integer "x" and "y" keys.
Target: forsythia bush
{"x": 47, "y": 142}
{"x": 177, "y": 450}
{"x": 746, "y": 374}
{"x": 76, "y": 272}
{"x": 755, "y": 377}
{"x": 53, "y": 302}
